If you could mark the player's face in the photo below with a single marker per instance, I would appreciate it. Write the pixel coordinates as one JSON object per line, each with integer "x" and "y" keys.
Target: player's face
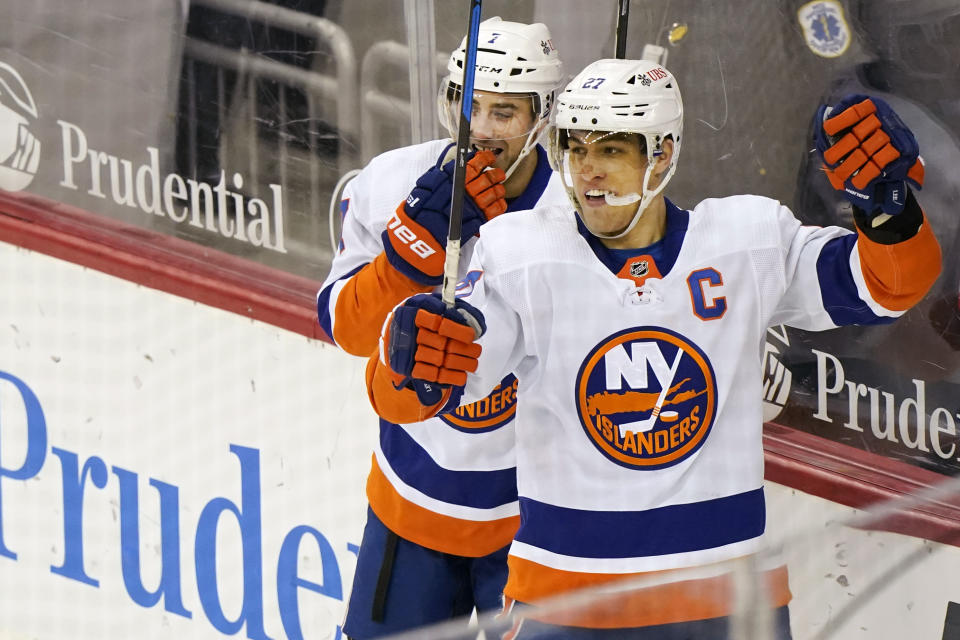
{"x": 501, "y": 122}
{"x": 601, "y": 164}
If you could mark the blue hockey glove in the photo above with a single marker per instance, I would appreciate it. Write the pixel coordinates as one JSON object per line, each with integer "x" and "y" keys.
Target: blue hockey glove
{"x": 868, "y": 153}
{"x": 416, "y": 235}
{"x": 432, "y": 347}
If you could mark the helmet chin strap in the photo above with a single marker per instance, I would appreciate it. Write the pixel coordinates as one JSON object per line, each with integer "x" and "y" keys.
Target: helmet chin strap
{"x": 641, "y": 208}
{"x": 532, "y": 139}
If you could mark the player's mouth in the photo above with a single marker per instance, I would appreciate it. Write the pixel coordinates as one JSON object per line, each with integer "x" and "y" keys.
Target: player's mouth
{"x": 497, "y": 150}
{"x": 597, "y": 197}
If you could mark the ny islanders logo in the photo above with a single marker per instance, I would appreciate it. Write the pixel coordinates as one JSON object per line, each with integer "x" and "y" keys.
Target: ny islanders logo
{"x": 488, "y": 414}
{"x": 19, "y": 149}
{"x": 646, "y": 397}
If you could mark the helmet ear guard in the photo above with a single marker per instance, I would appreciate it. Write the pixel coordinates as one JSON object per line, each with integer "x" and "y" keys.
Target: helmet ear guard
{"x": 621, "y": 96}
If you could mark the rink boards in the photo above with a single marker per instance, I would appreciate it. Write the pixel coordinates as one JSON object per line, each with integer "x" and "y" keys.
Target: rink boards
{"x": 171, "y": 469}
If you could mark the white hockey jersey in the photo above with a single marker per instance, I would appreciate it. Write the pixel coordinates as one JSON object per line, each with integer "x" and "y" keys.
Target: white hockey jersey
{"x": 448, "y": 483}
{"x": 639, "y": 442}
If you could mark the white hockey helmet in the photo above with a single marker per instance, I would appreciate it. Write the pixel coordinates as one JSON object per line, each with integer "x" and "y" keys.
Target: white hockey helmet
{"x": 512, "y": 58}
{"x": 621, "y": 96}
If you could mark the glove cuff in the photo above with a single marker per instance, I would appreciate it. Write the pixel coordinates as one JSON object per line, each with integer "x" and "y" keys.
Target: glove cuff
{"x": 405, "y": 267}
{"x": 412, "y": 250}
{"x": 399, "y": 406}
{"x": 898, "y": 228}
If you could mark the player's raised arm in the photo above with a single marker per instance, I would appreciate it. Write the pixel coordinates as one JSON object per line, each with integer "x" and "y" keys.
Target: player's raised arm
{"x": 875, "y": 275}
{"x": 873, "y": 157}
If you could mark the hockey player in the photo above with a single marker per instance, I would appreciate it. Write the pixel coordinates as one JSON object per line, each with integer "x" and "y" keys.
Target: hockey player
{"x": 442, "y": 494}
{"x": 636, "y": 328}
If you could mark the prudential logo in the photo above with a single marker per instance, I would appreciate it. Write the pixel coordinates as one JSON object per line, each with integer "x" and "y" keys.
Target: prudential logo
{"x": 19, "y": 149}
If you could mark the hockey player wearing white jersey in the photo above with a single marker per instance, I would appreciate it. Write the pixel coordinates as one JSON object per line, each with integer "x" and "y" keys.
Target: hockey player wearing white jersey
{"x": 636, "y": 328}
{"x": 442, "y": 493}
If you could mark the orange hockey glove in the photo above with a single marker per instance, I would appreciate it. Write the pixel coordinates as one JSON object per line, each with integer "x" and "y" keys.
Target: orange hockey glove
{"x": 868, "y": 153}
{"x": 427, "y": 350}
{"x": 416, "y": 235}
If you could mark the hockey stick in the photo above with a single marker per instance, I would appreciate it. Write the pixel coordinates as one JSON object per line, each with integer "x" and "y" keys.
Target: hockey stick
{"x": 451, "y": 263}
{"x": 642, "y": 426}
{"x": 623, "y": 15}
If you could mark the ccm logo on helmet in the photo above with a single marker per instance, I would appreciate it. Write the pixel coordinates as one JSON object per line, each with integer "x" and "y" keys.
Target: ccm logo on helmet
{"x": 403, "y": 233}
{"x": 646, "y": 397}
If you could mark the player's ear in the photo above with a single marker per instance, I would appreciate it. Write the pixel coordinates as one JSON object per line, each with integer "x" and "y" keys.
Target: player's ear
{"x": 665, "y": 158}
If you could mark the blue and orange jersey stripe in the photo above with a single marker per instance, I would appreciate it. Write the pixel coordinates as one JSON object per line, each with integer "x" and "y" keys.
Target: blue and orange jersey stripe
{"x": 440, "y": 532}
{"x": 894, "y": 276}
{"x": 670, "y": 529}
{"x": 482, "y": 491}
{"x": 674, "y": 596}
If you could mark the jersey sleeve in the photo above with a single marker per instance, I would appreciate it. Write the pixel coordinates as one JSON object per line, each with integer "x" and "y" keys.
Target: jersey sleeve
{"x": 503, "y": 344}
{"x": 362, "y": 287}
{"x": 834, "y": 277}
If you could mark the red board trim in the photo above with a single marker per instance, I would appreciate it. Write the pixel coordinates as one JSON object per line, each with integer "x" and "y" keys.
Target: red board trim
{"x": 161, "y": 262}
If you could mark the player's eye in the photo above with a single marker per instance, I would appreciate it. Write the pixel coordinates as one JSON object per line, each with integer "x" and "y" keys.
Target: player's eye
{"x": 503, "y": 116}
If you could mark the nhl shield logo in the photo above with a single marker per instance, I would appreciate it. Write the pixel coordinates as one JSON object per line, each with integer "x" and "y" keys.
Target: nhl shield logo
{"x": 639, "y": 269}
{"x": 646, "y": 398}
{"x": 825, "y": 28}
